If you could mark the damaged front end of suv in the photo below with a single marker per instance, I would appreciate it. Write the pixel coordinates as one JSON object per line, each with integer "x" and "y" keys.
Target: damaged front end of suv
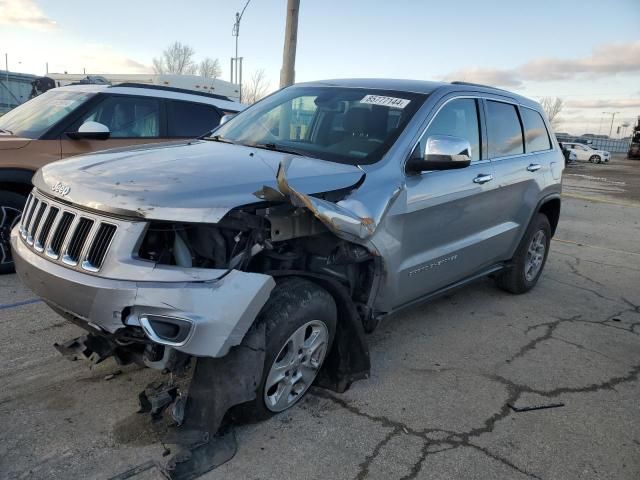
{"x": 238, "y": 265}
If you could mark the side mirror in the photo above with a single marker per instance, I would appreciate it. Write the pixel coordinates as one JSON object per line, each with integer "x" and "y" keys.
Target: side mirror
{"x": 442, "y": 152}
{"x": 91, "y": 131}
{"x": 226, "y": 118}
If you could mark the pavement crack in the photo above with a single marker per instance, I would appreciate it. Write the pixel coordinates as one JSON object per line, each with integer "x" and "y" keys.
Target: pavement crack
{"x": 503, "y": 460}
{"x": 364, "y": 466}
{"x": 590, "y": 290}
{"x": 550, "y": 327}
{"x": 582, "y": 347}
{"x": 574, "y": 270}
{"x": 609, "y": 384}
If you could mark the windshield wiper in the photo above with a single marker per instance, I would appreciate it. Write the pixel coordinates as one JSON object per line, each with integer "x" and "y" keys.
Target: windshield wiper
{"x": 277, "y": 148}
{"x": 4, "y": 130}
{"x": 218, "y": 138}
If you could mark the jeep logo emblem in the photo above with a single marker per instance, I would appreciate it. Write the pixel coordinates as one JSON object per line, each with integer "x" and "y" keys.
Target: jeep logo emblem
{"x": 61, "y": 189}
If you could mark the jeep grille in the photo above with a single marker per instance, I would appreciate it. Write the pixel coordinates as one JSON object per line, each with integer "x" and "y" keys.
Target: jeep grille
{"x": 65, "y": 234}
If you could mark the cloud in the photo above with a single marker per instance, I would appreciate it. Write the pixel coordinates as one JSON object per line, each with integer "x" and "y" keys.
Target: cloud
{"x": 94, "y": 58}
{"x": 488, "y": 76}
{"x": 608, "y": 59}
{"x": 624, "y": 103}
{"x": 24, "y": 13}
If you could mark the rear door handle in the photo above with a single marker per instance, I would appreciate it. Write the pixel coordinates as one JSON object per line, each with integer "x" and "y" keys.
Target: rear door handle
{"x": 483, "y": 179}
{"x": 534, "y": 167}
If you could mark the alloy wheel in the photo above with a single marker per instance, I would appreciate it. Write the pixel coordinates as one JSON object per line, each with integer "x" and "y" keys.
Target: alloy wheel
{"x": 535, "y": 255}
{"x": 296, "y": 366}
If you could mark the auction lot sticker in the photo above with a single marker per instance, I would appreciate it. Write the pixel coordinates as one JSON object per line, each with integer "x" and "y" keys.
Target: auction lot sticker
{"x": 385, "y": 101}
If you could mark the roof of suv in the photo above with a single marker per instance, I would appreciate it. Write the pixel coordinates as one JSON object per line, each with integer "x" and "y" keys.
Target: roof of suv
{"x": 159, "y": 92}
{"x": 422, "y": 86}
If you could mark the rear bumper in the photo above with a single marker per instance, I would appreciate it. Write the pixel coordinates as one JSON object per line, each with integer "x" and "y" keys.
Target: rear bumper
{"x": 218, "y": 313}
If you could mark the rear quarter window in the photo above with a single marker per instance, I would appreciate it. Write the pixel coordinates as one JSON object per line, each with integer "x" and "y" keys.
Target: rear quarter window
{"x": 535, "y": 132}
{"x": 503, "y": 130}
{"x": 189, "y": 119}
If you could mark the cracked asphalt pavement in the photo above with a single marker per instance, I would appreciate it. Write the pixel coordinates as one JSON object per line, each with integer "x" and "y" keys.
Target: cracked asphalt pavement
{"x": 444, "y": 378}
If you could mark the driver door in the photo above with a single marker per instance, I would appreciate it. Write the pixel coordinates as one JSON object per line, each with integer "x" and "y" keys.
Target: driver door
{"x": 131, "y": 121}
{"x": 449, "y": 229}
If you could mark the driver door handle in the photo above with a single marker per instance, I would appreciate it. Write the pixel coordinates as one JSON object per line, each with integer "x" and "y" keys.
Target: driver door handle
{"x": 483, "y": 179}
{"x": 534, "y": 167}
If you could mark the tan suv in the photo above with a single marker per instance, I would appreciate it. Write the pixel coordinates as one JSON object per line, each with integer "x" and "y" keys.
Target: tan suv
{"x": 79, "y": 119}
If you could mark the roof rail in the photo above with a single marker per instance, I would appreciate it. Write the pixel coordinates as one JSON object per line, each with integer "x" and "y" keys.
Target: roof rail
{"x": 171, "y": 89}
{"x": 471, "y": 84}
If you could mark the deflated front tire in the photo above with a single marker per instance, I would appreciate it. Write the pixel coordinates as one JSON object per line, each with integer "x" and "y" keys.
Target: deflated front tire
{"x": 300, "y": 319}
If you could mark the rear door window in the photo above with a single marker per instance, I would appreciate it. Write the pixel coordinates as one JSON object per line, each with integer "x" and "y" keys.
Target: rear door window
{"x": 189, "y": 119}
{"x": 535, "y": 132}
{"x": 503, "y": 130}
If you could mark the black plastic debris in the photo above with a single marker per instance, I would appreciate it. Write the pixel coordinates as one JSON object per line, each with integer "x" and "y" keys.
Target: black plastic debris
{"x": 535, "y": 407}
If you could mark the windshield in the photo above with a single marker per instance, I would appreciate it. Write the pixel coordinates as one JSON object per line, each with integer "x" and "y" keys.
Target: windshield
{"x": 35, "y": 117}
{"x": 347, "y": 125}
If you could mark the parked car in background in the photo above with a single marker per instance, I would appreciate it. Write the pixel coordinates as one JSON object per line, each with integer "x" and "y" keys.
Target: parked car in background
{"x": 297, "y": 225}
{"x": 79, "y": 119}
{"x": 587, "y": 152}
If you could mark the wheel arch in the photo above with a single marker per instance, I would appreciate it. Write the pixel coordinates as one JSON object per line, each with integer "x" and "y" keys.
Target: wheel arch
{"x": 348, "y": 360}
{"x": 17, "y": 180}
{"x": 550, "y": 207}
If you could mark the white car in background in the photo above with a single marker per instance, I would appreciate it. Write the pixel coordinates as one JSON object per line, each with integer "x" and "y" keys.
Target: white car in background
{"x": 586, "y": 152}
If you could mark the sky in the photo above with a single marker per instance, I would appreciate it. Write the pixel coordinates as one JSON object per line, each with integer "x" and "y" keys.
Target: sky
{"x": 585, "y": 52}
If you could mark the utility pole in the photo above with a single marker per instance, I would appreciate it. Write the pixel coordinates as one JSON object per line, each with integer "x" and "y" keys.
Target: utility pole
{"x": 288, "y": 73}
{"x": 6, "y": 67}
{"x": 236, "y": 62}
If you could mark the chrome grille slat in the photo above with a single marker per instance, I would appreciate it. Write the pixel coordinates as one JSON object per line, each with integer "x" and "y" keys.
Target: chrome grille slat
{"x": 99, "y": 246}
{"x": 32, "y": 207}
{"x": 58, "y": 239}
{"x": 77, "y": 241}
{"x": 41, "y": 239}
{"x": 33, "y": 224}
{"x": 37, "y": 221}
{"x": 25, "y": 213}
{"x": 67, "y": 240}
{"x": 73, "y": 237}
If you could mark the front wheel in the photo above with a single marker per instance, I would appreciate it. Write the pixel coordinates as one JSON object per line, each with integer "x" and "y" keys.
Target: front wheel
{"x": 530, "y": 258}
{"x": 300, "y": 320}
{"x": 11, "y": 205}
{"x": 595, "y": 159}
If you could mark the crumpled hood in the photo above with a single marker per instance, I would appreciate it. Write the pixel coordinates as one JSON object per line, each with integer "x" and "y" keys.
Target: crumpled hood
{"x": 11, "y": 142}
{"x": 195, "y": 181}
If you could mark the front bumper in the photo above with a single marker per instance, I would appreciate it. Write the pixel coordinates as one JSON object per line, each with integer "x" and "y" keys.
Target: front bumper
{"x": 219, "y": 312}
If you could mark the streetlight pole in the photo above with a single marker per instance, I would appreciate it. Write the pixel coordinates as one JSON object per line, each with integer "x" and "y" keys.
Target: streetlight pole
{"x": 236, "y": 62}
{"x": 613, "y": 115}
{"x": 288, "y": 73}
{"x": 600, "y": 124}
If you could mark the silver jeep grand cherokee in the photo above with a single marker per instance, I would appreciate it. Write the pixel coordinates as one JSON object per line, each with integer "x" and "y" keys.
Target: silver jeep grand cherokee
{"x": 300, "y": 222}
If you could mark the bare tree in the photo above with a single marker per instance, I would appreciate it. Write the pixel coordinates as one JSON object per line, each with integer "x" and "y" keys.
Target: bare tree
{"x": 552, "y": 107}
{"x": 255, "y": 88}
{"x": 210, "y": 68}
{"x": 177, "y": 58}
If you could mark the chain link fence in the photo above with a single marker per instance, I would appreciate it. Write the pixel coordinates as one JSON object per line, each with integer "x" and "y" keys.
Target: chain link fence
{"x": 613, "y": 145}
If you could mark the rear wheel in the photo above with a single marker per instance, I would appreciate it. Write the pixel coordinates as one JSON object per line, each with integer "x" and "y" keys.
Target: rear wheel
{"x": 530, "y": 258}
{"x": 300, "y": 320}
{"x": 11, "y": 205}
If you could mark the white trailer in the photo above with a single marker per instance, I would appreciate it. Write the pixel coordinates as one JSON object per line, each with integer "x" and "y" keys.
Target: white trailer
{"x": 187, "y": 82}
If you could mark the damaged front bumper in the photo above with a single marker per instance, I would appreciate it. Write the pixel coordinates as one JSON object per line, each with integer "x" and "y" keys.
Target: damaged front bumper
{"x": 203, "y": 317}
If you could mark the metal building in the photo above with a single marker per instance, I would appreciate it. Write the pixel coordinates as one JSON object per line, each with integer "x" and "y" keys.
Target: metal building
{"x": 15, "y": 88}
